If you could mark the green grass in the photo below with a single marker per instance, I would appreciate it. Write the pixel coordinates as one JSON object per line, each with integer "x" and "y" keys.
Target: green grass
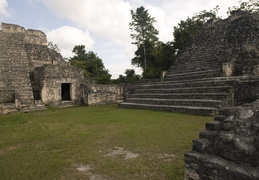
{"x": 53, "y": 144}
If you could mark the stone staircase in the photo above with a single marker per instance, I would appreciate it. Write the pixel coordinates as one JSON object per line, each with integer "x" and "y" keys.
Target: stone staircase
{"x": 203, "y": 96}
{"x": 205, "y": 77}
{"x": 188, "y": 87}
{"x": 16, "y": 69}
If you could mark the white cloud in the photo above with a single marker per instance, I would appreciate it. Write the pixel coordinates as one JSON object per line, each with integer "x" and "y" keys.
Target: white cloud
{"x": 3, "y": 8}
{"x": 107, "y": 21}
{"x": 68, "y": 37}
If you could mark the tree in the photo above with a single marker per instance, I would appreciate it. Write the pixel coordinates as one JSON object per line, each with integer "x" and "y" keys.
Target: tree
{"x": 91, "y": 64}
{"x": 165, "y": 55}
{"x": 251, "y": 6}
{"x": 129, "y": 78}
{"x": 142, "y": 32}
{"x": 53, "y": 47}
{"x": 188, "y": 28}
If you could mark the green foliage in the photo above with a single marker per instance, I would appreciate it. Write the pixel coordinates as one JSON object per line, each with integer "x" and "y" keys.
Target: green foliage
{"x": 151, "y": 55}
{"x": 91, "y": 64}
{"x": 204, "y": 15}
{"x": 165, "y": 55}
{"x": 57, "y": 143}
{"x": 53, "y": 47}
{"x": 251, "y": 6}
{"x": 142, "y": 32}
{"x": 190, "y": 27}
{"x": 141, "y": 27}
{"x": 129, "y": 78}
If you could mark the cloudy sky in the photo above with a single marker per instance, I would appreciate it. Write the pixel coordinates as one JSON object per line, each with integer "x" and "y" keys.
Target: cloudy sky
{"x": 102, "y": 25}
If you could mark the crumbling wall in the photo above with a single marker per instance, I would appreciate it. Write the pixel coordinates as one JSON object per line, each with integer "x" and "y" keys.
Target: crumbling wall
{"x": 228, "y": 148}
{"x": 51, "y": 79}
{"x": 14, "y": 69}
{"x": 31, "y": 73}
{"x": 103, "y": 94}
{"x": 229, "y": 46}
{"x": 22, "y": 53}
{"x": 30, "y": 36}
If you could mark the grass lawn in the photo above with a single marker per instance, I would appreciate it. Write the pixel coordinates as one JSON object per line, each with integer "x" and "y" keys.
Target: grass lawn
{"x": 97, "y": 143}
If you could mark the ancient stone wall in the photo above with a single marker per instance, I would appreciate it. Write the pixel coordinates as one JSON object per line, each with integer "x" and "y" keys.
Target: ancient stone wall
{"x": 51, "y": 78}
{"x": 14, "y": 69}
{"x": 39, "y": 55}
{"x": 102, "y": 94}
{"x": 30, "y": 36}
{"x": 228, "y": 148}
{"x": 32, "y": 74}
{"x": 229, "y": 46}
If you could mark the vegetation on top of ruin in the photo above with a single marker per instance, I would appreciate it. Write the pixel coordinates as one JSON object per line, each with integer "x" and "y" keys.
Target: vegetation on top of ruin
{"x": 91, "y": 64}
{"x": 251, "y": 6}
{"x": 53, "y": 46}
{"x": 154, "y": 56}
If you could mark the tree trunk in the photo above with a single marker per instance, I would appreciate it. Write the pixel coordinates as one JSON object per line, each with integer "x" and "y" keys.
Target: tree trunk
{"x": 145, "y": 56}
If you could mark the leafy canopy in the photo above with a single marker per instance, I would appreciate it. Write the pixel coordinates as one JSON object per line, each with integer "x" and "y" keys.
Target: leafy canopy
{"x": 141, "y": 27}
{"x": 91, "y": 64}
{"x": 142, "y": 32}
{"x": 251, "y": 6}
{"x": 188, "y": 28}
{"x": 129, "y": 78}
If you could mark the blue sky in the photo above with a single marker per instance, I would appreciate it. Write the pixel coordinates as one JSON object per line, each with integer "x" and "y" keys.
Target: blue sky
{"x": 101, "y": 25}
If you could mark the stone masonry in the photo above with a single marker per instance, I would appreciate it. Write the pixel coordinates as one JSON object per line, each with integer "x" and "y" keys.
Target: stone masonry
{"x": 228, "y": 148}
{"x": 219, "y": 68}
{"x": 32, "y": 75}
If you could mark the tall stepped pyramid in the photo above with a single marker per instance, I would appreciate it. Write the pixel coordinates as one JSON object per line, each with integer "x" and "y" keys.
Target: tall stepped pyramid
{"x": 20, "y": 53}
{"x": 219, "y": 68}
{"x": 16, "y": 77}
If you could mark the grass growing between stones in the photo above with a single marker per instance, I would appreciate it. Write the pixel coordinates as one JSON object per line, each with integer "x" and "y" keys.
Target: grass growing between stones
{"x": 97, "y": 143}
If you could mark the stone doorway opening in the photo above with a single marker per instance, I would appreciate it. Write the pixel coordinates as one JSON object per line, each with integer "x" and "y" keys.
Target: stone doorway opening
{"x": 66, "y": 91}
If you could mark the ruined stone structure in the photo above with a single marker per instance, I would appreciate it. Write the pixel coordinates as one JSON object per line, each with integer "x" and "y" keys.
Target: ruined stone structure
{"x": 228, "y": 148}
{"x": 219, "y": 68}
{"x": 32, "y": 75}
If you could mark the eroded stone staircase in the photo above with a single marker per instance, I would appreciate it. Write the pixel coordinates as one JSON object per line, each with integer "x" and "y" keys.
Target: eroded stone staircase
{"x": 194, "y": 95}
{"x": 215, "y": 70}
{"x": 188, "y": 87}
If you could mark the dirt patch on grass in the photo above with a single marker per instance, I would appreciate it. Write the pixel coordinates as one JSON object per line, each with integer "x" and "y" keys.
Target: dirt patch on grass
{"x": 166, "y": 157}
{"x": 120, "y": 151}
{"x": 86, "y": 170}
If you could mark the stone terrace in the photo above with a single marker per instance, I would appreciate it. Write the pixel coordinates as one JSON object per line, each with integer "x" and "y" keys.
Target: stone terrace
{"x": 219, "y": 68}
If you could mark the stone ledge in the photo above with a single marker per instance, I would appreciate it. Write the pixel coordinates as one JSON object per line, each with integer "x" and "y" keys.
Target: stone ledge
{"x": 208, "y": 167}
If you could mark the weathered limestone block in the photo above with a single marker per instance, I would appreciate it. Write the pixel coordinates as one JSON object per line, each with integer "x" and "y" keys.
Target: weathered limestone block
{"x": 228, "y": 148}
{"x": 103, "y": 94}
{"x": 36, "y": 37}
{"x": 208, "y": 167}
{"x": 51, "y": 79}
{"x": 12, "y": 28}
{"x": 31, "y": 73}
{"x": 31, "y": 36}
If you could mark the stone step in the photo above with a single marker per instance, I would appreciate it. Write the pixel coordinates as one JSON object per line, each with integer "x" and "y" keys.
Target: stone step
{"x": 214, "y": 89}
{"x": 206, "y": 111}
{"x": 212, "y": 96}
{"x": 194, "y": 66}
{"x": 200, "y": 83}
{"x": 177, "y": 102}
{"x": 192, "y": 75}
{"x": 172, "y": 73}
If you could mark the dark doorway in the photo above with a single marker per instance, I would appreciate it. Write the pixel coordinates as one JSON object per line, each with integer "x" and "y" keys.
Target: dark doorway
{"x": 65, "y": 91}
